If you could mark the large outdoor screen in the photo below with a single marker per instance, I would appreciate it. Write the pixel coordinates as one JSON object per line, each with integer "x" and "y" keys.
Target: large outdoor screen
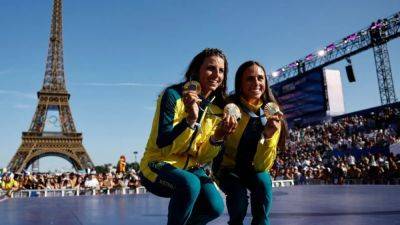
{"x": 302, "y": 97}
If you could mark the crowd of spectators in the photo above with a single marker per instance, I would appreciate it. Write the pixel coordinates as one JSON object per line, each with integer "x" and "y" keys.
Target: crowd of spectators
{"x": 309, "y": 159}
{"x": 101, "y": 182}
{"x": 310, "y": 151}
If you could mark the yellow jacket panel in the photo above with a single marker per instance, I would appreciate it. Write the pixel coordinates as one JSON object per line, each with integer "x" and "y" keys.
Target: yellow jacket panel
{"x": 173, "y": 141}
{"x": 247, "y": 148}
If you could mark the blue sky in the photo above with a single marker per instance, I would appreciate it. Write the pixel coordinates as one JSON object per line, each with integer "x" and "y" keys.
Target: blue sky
{"x": 119, "y": 55}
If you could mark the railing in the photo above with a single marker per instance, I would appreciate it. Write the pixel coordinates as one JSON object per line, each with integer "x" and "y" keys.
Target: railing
{"x": 79, "y": 192}
{"x": 312, "y": 182}
{"x": 349, "y": 181}
{"x": 395, "y": 181}
{"x": 142, "y": 190}
{"x": 282, "y": 183}
{"x": 72, "y": 192}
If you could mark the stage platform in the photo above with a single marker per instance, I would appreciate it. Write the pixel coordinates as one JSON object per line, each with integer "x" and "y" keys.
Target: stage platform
{"x": 308, "y": 205}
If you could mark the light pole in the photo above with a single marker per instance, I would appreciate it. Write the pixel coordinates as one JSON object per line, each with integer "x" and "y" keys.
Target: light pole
{"x": 135, "y": 154}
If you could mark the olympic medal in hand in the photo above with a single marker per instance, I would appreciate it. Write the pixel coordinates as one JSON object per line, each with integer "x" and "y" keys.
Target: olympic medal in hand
{"x": 233, "y": 110}
{"x": 192, "y": 86}
{"x": 229, "y": 122}
{"x": 271, "y": 109}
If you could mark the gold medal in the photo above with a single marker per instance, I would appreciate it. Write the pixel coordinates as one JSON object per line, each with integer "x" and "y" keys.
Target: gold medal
{"x": 192, "y": 86}
{"x": 271, "y": 109}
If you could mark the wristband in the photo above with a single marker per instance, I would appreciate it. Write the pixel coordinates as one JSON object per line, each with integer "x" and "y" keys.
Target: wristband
{"x": 193, "y": 126}
{"x": 216, "y": 142}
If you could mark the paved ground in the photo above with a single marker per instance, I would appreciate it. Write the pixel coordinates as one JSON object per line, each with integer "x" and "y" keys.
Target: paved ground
{"x": 328, "y": 205}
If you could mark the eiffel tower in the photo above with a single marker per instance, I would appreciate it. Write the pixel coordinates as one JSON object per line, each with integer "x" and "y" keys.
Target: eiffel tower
{"x": 53, "y": 97}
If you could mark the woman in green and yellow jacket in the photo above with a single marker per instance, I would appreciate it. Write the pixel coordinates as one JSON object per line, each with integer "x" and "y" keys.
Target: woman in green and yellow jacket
{"x": 187, "y": 132}
{"x": 251, "y": 150}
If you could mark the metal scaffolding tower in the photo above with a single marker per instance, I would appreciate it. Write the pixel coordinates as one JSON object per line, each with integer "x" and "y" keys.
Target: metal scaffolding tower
{"x": 375, "y": 36}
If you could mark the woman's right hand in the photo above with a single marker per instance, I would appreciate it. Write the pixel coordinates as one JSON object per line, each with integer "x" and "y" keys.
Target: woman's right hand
{"x": 226, "y": 127}
{"x": 273, "y": 124}
{"x": 191, "y": 101}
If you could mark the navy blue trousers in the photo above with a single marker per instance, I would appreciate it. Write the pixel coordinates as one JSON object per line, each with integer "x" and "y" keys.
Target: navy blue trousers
{"x": 237, "y": 199}
{"x": 195, "y": 199}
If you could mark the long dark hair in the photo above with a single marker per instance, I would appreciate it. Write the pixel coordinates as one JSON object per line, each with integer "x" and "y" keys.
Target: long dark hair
{"x": 192, "y": 72}
{"x": 267, "y": 96}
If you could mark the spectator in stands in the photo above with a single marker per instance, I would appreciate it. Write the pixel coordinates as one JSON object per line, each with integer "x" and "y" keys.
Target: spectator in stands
{"x": 20, "y": 179}
{"x": 92, "y": 182}
{"x": 73, "y": 180}
{"x": 41, "y": 183}
{"x": 296, "y": 175}
{"x": 80, "y": 182}
{"x": 101, "y": 178}
{"x": 280, "y": 174}
{"x": 121, "y": 181}
{"x": 28, "y": 182}
{"x": 354, "y": 172}
{"x": 65, "y": 182}
{"x": 393, "y": 171}
{"x": 108, "y": 183}
{"x": 288, "y": 174}
{"x": 338, "y": 174}
{"x": 134, "y": 180}
{"x": 375, "y": 172}
{"x": 351, "y": 160}
{"x": 308, "y": 174}
{"x": 318, "y": 173}
{"x": 50, "y": 183}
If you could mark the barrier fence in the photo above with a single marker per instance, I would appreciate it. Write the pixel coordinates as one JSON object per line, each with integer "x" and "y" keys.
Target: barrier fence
{"x": 80, "y": 192}
{"x": 72, "y": 192}
{"x": 282, "y": 183}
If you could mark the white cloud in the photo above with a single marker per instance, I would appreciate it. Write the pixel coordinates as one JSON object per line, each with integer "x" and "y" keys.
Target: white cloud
{"x": 6, "y": 71}
{"x": 125, "y": 84}
{"x": 22, "y": 106}
{"x": 18, "y": 94}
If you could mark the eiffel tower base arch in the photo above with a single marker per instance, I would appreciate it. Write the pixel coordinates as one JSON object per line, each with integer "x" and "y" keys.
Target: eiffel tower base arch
{"x": 36, "y": 146}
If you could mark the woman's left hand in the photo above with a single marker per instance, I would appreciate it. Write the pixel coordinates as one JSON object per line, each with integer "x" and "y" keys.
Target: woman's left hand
{"x": 273, "y": 124}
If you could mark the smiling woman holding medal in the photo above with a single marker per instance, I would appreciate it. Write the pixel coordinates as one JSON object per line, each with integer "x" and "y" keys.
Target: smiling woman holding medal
{"x": 251, "y": 150}
{"x": 188, "y": 130}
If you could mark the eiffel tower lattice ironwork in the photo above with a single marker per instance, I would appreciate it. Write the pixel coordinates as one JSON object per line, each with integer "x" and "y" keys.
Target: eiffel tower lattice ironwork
{"x": 66, "y": 143}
